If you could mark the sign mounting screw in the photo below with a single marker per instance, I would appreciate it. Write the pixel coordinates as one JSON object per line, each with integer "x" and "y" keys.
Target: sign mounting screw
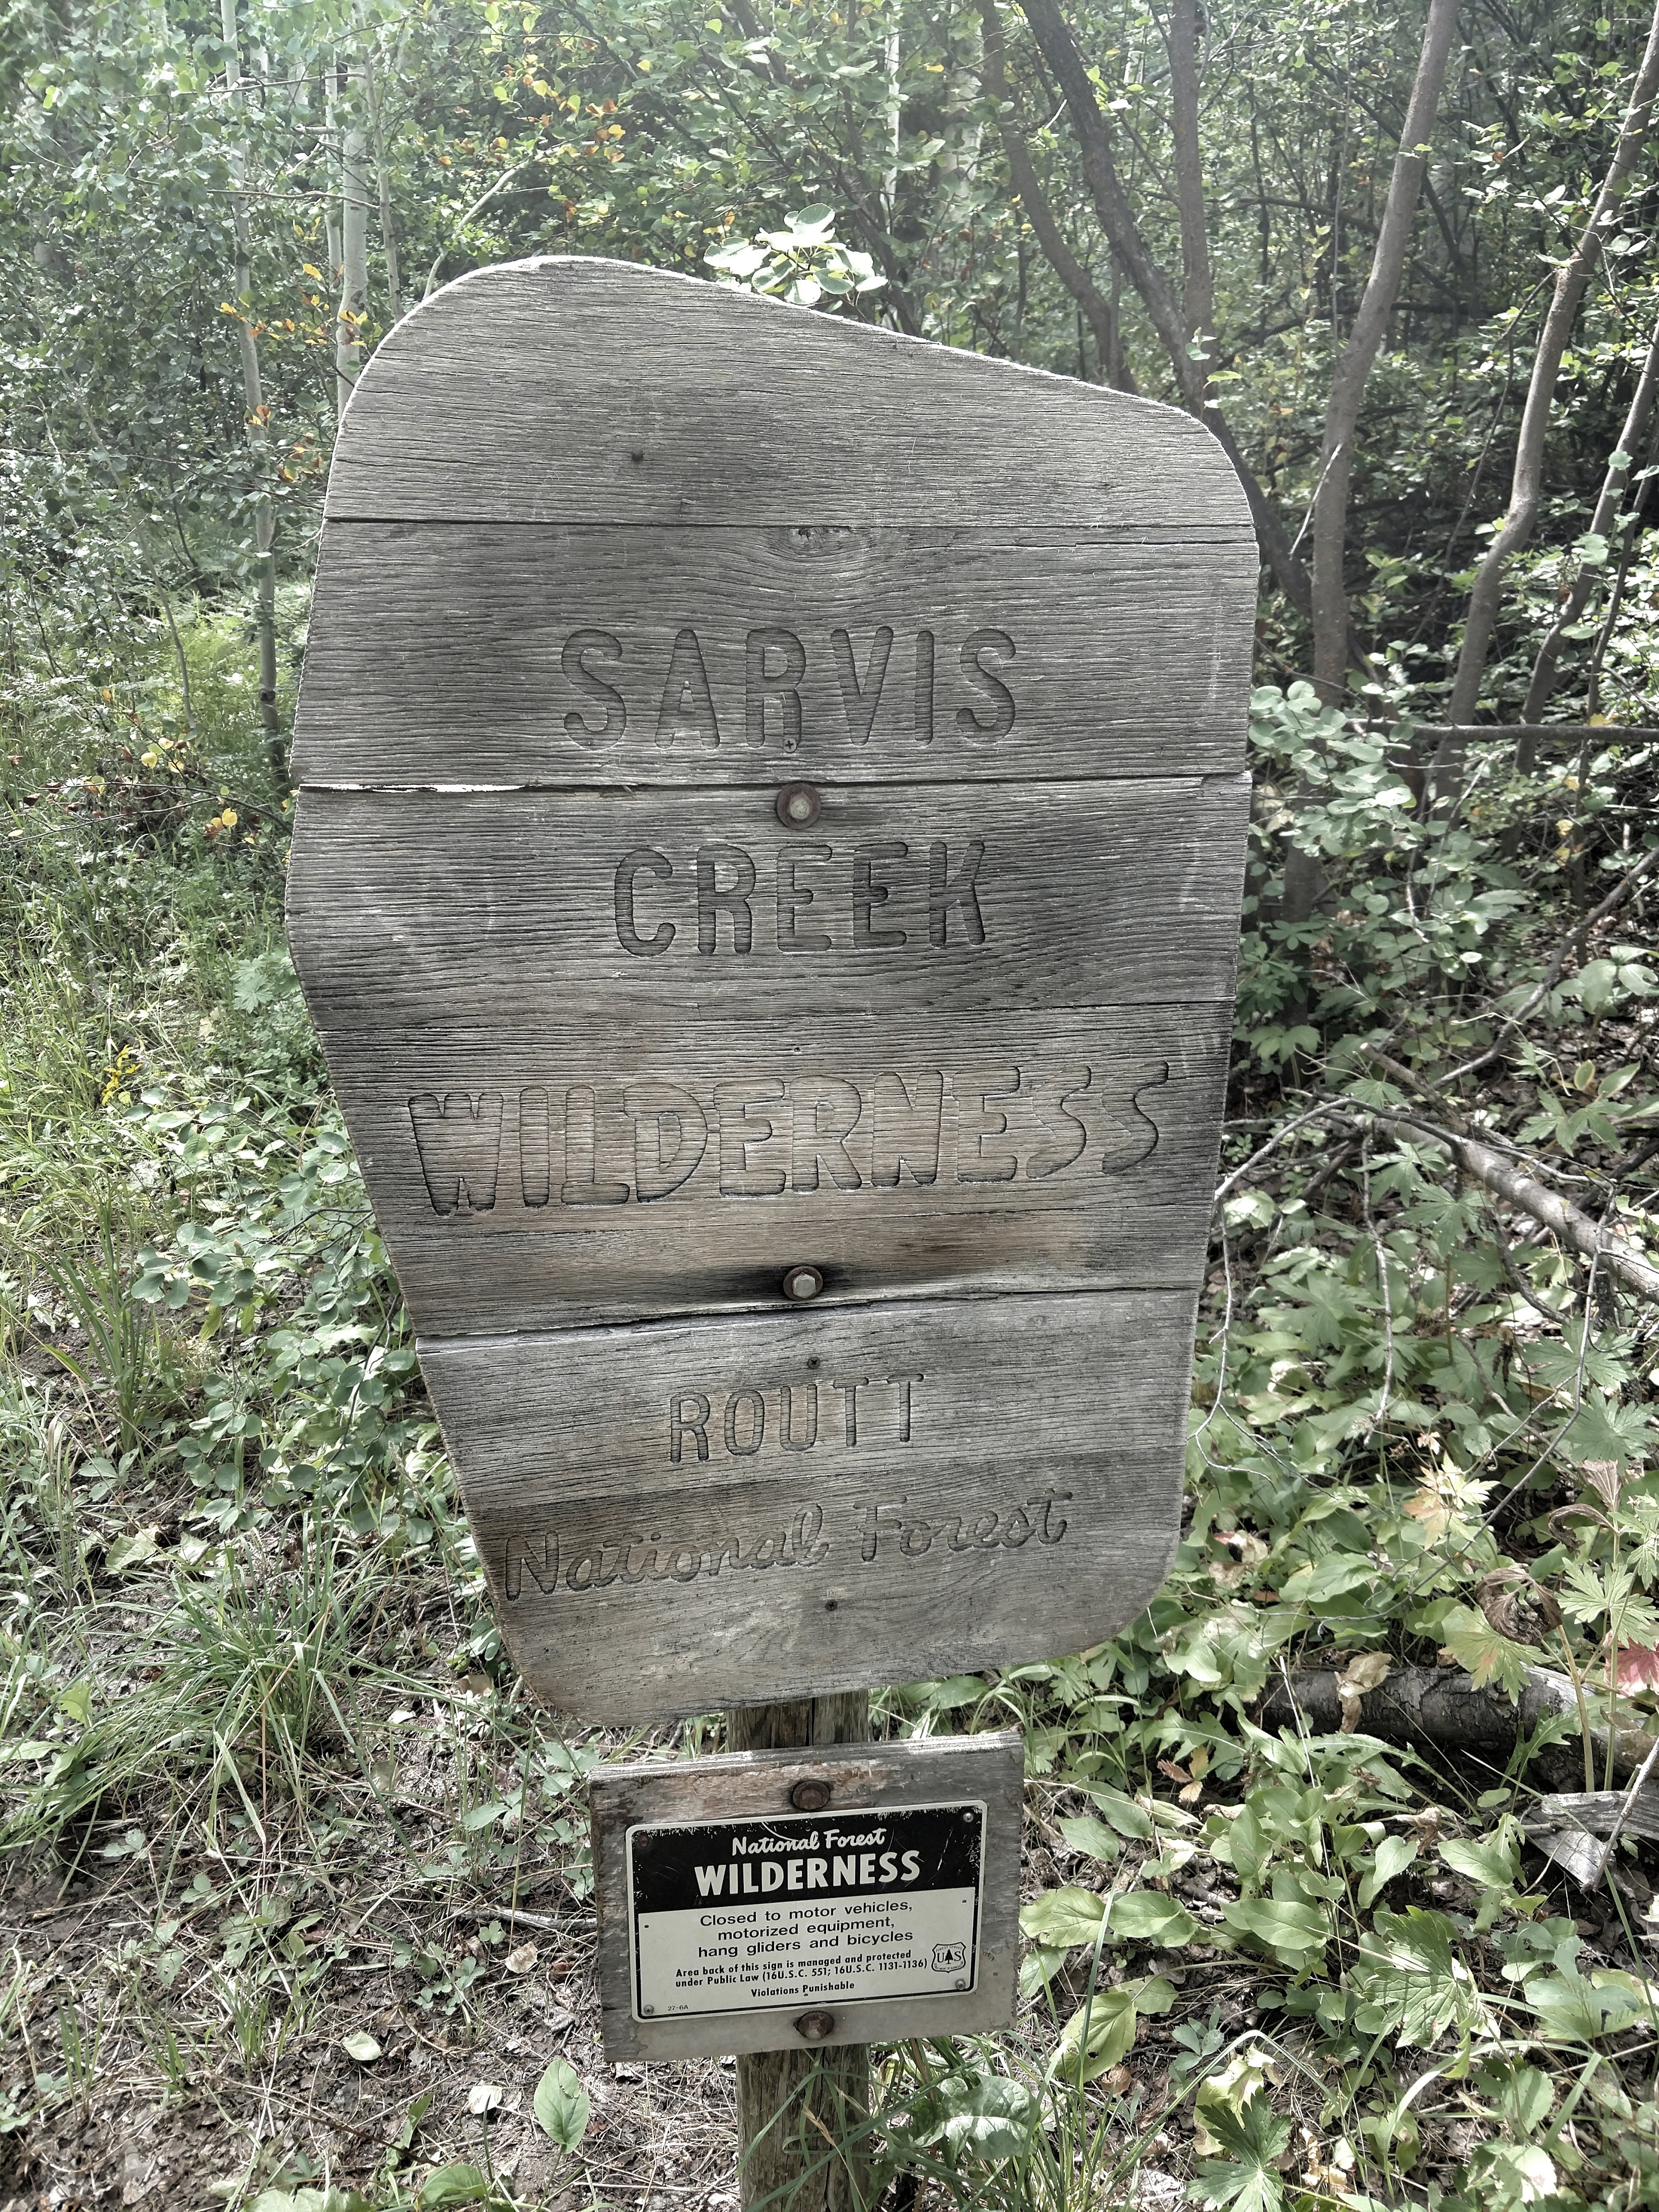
{"x": 800, "y": 1284}
{"x": 815, "y": 2027}
{"x": 799, "y": 806}
{"x": 809, "y": 1797}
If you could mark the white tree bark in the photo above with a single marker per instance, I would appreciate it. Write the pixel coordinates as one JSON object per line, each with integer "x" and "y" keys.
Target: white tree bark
{"x": 353, "y": 248}
{"x": 257, "y": 423}
{"x": 1571, "y": 282}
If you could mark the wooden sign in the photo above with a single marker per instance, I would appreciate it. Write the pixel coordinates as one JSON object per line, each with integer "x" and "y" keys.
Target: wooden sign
{"x": 771, "y": 1900}
{"x": 766, "y": 875}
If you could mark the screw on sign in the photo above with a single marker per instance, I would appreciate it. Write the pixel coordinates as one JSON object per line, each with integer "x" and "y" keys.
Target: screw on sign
{"x": 770, "y": 908}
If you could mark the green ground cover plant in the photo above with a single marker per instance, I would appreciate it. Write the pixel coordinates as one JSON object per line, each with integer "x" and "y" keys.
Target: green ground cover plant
{"x": 297, "y": 1871}
{"x": 295, "y": 1906}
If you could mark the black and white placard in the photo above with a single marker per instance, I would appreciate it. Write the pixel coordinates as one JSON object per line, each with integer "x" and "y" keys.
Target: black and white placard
{"x": 815, "y": 1909}
{"x": 733, "y": 1918}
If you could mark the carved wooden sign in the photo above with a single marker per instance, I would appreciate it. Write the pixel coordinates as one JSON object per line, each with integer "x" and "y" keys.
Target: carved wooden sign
{"x": 766, "y": 875}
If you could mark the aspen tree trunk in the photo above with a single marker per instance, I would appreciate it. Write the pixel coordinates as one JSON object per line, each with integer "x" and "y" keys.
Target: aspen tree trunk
{"x": 383, "y": 193}
{"x": 793, "y": 2104}
{"x": 1330, "y": 513}
{"x": 354, "y": 253}
{"x": 383, "y": 186}
{"x": 331, "y": 190}
{"x": 1197, "y": 284}
{"x": 1165, "y": 309}
{"x": 890, "y": 180}
{"x": 257, "y": 425}
{"x": 1100, "y": 312}
{"x": 1571, "y": 282}
{"x": 1601, "y": 526}
{"x": 1305, "y": 878}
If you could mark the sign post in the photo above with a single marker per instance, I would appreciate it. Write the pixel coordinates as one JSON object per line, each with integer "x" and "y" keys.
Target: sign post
{"x": 766, "y": 875}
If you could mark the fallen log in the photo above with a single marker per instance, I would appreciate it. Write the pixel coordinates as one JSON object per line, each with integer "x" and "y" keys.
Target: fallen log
{"x": 1439, "y": 1710}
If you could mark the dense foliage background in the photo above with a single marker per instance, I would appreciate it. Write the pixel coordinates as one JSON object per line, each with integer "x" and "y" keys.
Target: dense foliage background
{"x": 294, "y": 1877}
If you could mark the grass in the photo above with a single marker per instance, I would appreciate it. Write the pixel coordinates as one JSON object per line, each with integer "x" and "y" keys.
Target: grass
{"x": 296, "y": 1893}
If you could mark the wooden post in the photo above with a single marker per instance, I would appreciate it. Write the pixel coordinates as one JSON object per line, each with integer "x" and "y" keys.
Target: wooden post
{"x": 770, "y": 2082}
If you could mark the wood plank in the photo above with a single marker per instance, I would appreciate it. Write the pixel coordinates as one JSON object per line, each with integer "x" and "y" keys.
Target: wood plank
{"x": 572, "y": 657}
{"x": 531, "y": 907}
{"x": 887, "y": 1777}
{"x": 572, "y": 389}
{"x": 561, "y": 1176}
{"x": 939, "y": 1522}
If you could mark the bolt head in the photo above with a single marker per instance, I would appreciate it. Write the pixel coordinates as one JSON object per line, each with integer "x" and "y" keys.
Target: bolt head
{"x": 800, "y": 1284}
{"x": 799, "y": 806}
{"x": 815, "y": 2027}
{"x": 809, "y": 1797}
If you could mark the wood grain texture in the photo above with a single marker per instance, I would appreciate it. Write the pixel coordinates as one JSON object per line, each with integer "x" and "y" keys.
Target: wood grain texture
{"x": 788, "y": 2098}
{"x": 947, "y": 1485}
{"x": 514, "y": 655}
{"x": 612, "y": 554}
{"x": 560, "y": 1178}
{"x": 529, "y": 908}
{"x": 989, "y": 1769}
{"x": 525, "y": 392}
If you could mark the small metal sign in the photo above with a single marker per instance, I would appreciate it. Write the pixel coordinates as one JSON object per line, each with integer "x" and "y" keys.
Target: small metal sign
{"x": 770, "y": 1900}
{"x": 810, "y": 1909}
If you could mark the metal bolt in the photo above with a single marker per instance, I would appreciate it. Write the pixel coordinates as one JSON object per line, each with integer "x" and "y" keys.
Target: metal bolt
{"x": 809, "y": 1797}
{"x": 800, "y": 1284}
{"x": 799, "y": 806}
{"x": 815, "y": 2027}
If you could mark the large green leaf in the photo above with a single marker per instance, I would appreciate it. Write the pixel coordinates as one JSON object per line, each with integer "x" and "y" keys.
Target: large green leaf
{"x": 1108, "y": 2022}
{"x": 1067, "y": 1916}
{"x": 561, "y": 2104}
{"x": 1295, "y": 1934}
{"x": 988, "y": 2115}
{"x": 1145, "y": 1916}
{"x": 1247, "y": 2180}
{"x": 1411, "y": 1981}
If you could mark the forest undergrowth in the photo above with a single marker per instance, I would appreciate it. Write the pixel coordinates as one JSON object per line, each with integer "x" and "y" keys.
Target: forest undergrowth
{"x": 297, "y": 1902}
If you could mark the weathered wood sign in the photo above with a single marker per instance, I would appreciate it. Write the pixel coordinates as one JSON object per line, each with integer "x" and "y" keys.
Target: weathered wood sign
{"x": 774, "y": 1900}
{"x": 767, "y": 874}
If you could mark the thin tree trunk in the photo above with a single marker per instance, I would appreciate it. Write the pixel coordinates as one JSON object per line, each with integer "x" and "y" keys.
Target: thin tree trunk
{"x": 1330, "y": 513}
{"x": 793, "y": 2104}
{"x": 1601, "y": 526}
{"x": 1197, "y": 284}
{"x": 383, "y": 183}
{"x": 257, "y": 419}
{"x": 354, "y": 255}
{"x": 1166, "y": 312}
{"x": 1571, "y": 281}
{"x": 1097, "y": 309}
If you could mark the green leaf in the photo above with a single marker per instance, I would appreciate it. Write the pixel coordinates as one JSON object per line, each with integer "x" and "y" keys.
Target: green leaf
{"x": 1086, "y": 1834}
{"x": 988, "y": 2115}
{"x": 1493, "y": 1865}
{"x": 1394, "y": 1855}
{"x": 457, "y": 2183}
{"x": 1122, "y": 1813}
{"x": 1145, "y": 1916}
{"x": 1412, "y": 1982}
{"x": 1475, "y": 1644}
{"x": 1295, "y": 1934}
{"x": 361, "y": 2045}
{"x": 561, "y": 2104}
{"x": 1068, "y": 1916}
{"x": 1252, "y": 2140}
{"x": 1333, "y": 1576}
{"x": 1108, "y": 2021}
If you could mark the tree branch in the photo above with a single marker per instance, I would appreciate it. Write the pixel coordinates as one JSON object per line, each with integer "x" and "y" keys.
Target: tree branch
{"x": 1571, "y": 281}
{"x": 1352, "y": 371}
